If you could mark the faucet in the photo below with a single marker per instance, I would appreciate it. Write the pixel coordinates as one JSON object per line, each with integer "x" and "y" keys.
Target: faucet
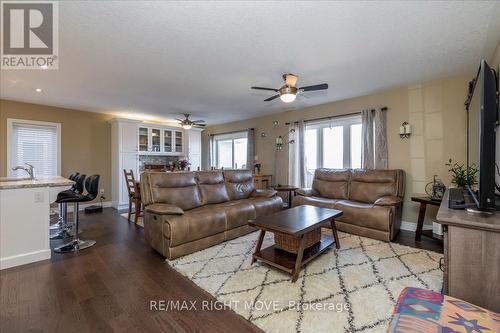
{"x": 28, "y": 169}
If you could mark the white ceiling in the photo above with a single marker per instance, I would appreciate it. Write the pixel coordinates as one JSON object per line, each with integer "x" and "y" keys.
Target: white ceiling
{"x": 160, "y": 59}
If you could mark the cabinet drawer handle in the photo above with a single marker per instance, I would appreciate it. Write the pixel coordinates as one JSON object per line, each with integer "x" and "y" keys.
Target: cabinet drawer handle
{"x": 155, "y": 218}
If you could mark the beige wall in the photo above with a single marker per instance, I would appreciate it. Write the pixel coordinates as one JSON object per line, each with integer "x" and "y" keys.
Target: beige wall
{"x": 85, "y": 142}
{"x": 495, "y": 62}
{"x": 434, "y": 109}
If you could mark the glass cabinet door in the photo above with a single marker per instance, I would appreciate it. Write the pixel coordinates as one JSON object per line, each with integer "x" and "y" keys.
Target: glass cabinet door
{"x": 167, "y": 141}
{"x": 143, "y": 139}
{"x": 155, "y": 140}
{"x": 178, "y": 142}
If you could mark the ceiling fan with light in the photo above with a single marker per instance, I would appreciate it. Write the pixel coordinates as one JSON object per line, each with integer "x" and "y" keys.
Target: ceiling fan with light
{"x": 288, "y": 92}
{"x": 188, "y": 124}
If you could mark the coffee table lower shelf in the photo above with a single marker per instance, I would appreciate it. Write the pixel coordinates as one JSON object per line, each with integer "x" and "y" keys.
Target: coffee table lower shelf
{"x": 286, "y": 261}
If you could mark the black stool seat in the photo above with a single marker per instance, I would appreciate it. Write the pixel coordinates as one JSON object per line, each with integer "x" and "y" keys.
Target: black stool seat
{"x": 76, "y": 188}
{"x": 62, "y": 227}
{"x": 92, "y": 187}
{"x": 74, "y": 197}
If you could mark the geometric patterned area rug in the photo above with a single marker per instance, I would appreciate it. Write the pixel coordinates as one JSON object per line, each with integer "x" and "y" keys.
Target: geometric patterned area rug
{"x": 353, "y": 289}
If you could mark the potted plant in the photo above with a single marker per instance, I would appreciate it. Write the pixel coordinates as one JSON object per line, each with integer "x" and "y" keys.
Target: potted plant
{"x": 462, "y": 175}
{"x": 183, "y": 164}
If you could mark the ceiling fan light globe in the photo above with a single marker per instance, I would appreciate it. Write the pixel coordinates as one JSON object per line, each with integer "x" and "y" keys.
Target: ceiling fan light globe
{"x": 187, "y": 126}
{"x": 288, "y": 98}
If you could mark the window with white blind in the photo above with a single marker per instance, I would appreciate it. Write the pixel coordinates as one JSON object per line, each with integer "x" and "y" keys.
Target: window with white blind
{"x": 36, "y": 143}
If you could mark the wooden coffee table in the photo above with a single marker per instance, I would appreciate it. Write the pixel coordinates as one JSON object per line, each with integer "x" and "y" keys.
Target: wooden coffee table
{"x": 295, "y": 222}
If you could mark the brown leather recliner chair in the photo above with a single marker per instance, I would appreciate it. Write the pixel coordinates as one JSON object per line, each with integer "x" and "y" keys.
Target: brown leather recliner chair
{"x": 189, "y": 211}
{"x": 372, "y": 200}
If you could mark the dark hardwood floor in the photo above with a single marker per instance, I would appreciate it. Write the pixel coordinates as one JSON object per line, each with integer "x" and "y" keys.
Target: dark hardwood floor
{"x": 109, "y": 287}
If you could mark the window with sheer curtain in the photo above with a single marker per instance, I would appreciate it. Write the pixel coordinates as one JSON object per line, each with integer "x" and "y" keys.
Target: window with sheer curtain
{"x": 334, "y": 143}
{"x": 36, "y": 143}
{"x": 231, "y": 150}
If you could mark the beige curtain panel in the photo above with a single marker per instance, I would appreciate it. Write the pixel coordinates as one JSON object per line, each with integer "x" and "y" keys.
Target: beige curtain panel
{"x": 374, "y": 139}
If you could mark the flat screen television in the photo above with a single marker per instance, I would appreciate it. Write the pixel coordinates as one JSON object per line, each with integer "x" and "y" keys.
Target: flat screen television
{"x": 482, "y": 119}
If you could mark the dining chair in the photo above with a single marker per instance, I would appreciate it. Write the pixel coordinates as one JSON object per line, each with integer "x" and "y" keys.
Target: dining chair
{"x": 134, "y": 195}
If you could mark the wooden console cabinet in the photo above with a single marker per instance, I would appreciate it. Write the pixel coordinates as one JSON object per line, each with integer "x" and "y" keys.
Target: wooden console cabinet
{"x": 471, "y": 256}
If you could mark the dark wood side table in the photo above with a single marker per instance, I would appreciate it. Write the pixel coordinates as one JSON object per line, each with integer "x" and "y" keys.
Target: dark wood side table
{"x": 287, "y": 188}
{"x": 424, "y": 201}
{"x": 295, "y": 222}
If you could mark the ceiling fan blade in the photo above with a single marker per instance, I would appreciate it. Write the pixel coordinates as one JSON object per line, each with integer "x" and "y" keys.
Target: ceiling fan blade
{"x": 315, "y": 87}
{"x": 181, "y": 120}
{"x": 198, "y": 121}
{"x": 271, "y": 98}
{"x": 199, "y": 125}
{"x": 262, "y": 88}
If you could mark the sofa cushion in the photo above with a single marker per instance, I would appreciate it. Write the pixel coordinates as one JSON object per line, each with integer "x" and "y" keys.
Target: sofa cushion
{"x": 365, "y": 215}
{"x": 212, "y": 187}
{"x": 370, "y": 185}
{"x": 306, "y": 192}
{"x": 313, "y": 201}
{"x": 331, "y": 183}
{"x": 175, "y": 188}
{"x": 239, "y": 183}
{"x": 238, "y": 213}
{"x": 194, "y": 224}
{"x": 266, "y": 206}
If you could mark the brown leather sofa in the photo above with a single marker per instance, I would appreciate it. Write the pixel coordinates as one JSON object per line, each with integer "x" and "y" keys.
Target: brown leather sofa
{"x": 372, "y": 200}
{"x": 189, "y": 211}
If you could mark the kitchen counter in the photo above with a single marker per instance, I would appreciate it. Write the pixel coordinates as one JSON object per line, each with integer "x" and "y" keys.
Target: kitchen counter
{"x": 25, "y": 218}
{"x": 12, "y": 182}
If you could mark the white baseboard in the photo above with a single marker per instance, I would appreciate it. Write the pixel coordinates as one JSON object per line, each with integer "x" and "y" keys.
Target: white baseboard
{"x": 121, "y": 207}
{"x": 23, "y": 259}
{"x": 412, "y": 226}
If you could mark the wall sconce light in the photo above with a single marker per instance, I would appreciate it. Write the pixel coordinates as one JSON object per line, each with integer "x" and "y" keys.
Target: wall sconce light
{"x": 279, "y": 143}
{"x": 405, "y": 130}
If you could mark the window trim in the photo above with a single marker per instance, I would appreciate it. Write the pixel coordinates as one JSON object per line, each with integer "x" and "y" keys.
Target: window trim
{"x": 10, "y": 125}
{"x": 346, "y": 123}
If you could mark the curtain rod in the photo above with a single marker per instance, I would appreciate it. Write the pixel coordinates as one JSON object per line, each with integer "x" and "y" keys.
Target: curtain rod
{"x": 232, "y": 132}
{"x": 332, "y": 117}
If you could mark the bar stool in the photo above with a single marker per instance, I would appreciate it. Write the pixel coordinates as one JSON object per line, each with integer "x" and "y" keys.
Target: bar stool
{"x": 59, "y": 224}
{"x": 77, "y": 188}
{"x": 92, "y": 187}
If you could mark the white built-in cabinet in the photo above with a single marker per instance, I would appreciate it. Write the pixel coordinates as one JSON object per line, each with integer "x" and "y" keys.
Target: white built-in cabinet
{"x": 193, "y": 147}
{"x": 156, "y": 140}
{"x": 132, "y": 138}
{"x": 124, "y": 155}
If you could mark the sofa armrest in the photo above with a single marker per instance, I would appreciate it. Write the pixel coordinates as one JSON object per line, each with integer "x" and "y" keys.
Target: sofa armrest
{"x": 305, "y": 192}
{"x": 257, "y": 193}
{"x": 164, "y": 209}
{"x": 388, "y": 200}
